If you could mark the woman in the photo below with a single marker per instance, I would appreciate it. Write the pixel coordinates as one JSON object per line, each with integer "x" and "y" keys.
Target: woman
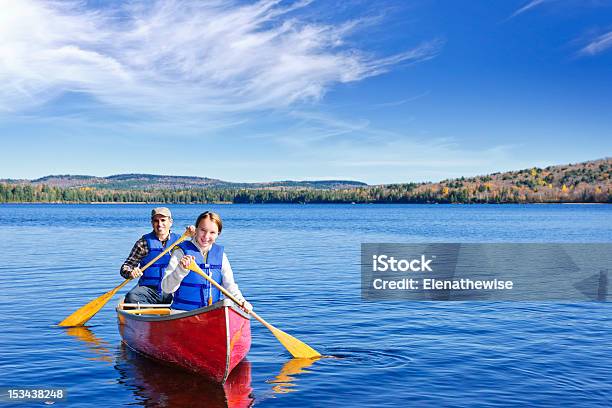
{"x": 192, "y": 291}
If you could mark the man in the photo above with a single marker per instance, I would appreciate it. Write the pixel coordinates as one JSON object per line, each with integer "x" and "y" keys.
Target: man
{"x": 148, "y": 289}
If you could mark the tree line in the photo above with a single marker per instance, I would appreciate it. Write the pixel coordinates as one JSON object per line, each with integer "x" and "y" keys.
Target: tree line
{"x": 479, "y": 191}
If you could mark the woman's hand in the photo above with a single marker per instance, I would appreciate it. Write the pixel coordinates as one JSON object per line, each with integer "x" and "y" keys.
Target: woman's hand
{"x": 186, "y": 261}
{"x": 247, "y": 306}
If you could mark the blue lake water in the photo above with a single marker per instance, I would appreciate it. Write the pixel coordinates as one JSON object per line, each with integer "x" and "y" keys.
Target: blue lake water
{"x": 299, "y": 265}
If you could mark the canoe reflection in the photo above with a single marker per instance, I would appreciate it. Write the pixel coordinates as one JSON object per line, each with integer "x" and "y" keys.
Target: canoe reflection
{"x": 156, "y": 385}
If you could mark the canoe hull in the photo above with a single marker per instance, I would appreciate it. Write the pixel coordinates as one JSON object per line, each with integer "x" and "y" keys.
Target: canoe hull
{"x": 210, "y": 341}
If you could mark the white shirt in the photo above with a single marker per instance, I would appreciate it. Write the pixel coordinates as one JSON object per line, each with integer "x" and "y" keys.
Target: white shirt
{"x": 175, "y": 273}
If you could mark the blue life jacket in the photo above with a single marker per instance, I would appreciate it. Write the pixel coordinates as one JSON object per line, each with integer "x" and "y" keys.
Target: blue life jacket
{"x": 195, "y": 291}
{"x": 152, "y": 276}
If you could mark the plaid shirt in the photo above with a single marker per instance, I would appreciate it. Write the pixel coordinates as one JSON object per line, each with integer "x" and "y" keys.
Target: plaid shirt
{"x": 139, "y": 251}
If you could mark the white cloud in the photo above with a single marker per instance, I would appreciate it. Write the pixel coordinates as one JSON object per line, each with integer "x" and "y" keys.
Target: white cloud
{"x": 597, "y": 45}
{"x": 179, "y": 59}
{"x": 528, "y": 6}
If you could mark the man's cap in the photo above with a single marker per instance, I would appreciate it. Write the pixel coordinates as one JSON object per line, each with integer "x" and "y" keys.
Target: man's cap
{"x": 161, "y": 211}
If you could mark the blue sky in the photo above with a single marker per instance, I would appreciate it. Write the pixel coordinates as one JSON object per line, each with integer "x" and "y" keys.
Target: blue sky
{"x": 376, "y": 91}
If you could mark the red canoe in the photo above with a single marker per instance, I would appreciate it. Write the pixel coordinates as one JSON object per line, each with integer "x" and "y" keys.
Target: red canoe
{"x": 209, "y": 341}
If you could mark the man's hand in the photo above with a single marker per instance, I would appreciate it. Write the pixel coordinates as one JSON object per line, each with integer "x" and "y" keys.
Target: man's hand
{"x": 190, "y": 230}
{"x": 136, "y": 273}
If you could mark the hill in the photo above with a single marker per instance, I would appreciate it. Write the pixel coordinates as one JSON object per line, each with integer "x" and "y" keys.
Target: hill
{"x": 580, "y": 182}
{"x": 149, "y": 182}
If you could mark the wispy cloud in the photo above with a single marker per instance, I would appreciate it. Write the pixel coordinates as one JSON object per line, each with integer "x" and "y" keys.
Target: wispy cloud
{"x": 401, "y": 101}
{"x": 597, "y": 45}
{"x": 424, "y": 159}
{"x": 175, "y": 59}
{"x": 528, "y": 6}
{"x": 594, "y": 45}
{"x": 329, "y": 143}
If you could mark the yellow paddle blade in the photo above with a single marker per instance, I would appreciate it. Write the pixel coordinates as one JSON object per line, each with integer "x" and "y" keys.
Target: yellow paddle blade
{"x": 297, "y": 348}
{"x": 82, "y": 315}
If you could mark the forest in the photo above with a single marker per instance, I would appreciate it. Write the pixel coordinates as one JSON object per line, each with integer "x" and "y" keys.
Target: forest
{"x": 587, "y": 182}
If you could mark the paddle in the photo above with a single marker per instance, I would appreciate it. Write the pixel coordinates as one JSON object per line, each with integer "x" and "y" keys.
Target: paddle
{"x": 297, "y": 348}
{"x": 82, "y": 315}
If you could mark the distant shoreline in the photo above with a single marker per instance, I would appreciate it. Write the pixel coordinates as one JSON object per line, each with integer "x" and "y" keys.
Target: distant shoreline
{"x": 231, "y": 203}
{"x": 580, "y": 183}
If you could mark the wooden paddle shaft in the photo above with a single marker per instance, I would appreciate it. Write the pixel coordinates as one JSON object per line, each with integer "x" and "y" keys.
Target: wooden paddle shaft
{"x": 120, "y": 286}
{"x": 194, "y": 267}
{"x": 164, "y": 252}
{"x": 294, "y": 346}
{"x": 175, "y": 243}
{"x": 84, "y": 313}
